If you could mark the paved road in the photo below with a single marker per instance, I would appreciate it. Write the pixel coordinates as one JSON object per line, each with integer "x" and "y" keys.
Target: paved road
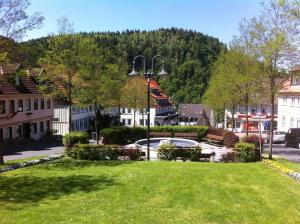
{"x": 38, "y": 149}
{"x": 292, "y": 154}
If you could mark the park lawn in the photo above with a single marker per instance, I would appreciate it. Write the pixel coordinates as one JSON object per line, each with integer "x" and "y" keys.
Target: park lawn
{"x": 68, "y": 191}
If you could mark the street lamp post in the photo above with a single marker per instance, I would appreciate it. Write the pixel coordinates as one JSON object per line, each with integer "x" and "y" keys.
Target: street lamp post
{"x": 148, "y": 76}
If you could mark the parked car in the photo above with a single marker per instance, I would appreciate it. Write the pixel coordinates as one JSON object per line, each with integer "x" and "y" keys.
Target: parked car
{"x": 292, "y": 138}
{"x": 278, "y": 137}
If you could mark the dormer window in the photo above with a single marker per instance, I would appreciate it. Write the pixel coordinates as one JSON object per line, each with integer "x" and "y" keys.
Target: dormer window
{"x": 294, "y": 80}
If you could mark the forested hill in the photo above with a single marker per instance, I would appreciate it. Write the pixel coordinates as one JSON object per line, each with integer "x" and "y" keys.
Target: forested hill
{"x": 188, "y": 56}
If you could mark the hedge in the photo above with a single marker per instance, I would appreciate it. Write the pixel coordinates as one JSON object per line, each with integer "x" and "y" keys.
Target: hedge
{"x": 75, "y": 137}
{"x": 246, "y": 152}
{"x": 127, "y": 135}
{"x": 101, "y": 152}
{"x": 170, "y": 152}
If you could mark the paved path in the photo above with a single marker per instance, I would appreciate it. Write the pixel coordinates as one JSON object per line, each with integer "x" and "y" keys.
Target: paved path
{"x": 292, "y": 154}
{"x": 39, "y": 149}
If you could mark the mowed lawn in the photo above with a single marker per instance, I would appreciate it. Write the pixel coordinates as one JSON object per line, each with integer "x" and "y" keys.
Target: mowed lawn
{"x": 68, "y": 191}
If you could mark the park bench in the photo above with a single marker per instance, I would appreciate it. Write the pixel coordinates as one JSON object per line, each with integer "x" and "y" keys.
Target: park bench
{"x": 193, "y": 136}
{"x": 160, "y": 134}
{"x": 203, "y": 156}
{"x": 214, "y": 139}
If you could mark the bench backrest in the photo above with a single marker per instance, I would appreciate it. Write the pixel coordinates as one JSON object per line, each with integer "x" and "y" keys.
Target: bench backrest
{"x": 183, "y": 134}
{"x": 215, "y": 137}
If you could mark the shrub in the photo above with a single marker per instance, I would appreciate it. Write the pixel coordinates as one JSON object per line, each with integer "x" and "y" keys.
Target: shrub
{"x": 254, "y": 139}
{"x": 229, "y": 157}
{"x": 246, "y": 152}
{"x": 216, "y": 131}
{"x": 75, "y": 137}
{"x": 132, "y": 153}
{"x": 194, "y": 153}
{"x": 122, "y": 135}
{"x": 230, "y": 139}
{"x": 166, "y": 152}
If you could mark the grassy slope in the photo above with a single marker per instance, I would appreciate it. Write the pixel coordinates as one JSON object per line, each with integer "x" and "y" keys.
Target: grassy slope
{"x": 148, "y": 192}
{"x": 14, "y": 162}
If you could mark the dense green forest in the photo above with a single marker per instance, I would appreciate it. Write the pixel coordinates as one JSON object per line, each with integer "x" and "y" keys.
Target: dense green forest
{"x": 188, "y": 56}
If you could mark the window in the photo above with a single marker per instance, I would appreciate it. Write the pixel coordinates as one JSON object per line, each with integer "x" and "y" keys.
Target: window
{"x": 141, "y": 122}
{"x": 34, "y": 128}
{"x": 48, "y": 125}
{"x": 2, "y": 106}
{"x": 237, "y": 124}
{"x": 35, "y": 104}
{"x": 283, "y": 121}
{"x": 11, "y": 106}
{"x": 298, "y": 123}
{"x": 284, "y": 100}
{"x": 41, "y": 126}
{"x": 19, "y": 131}
{"x": 292, "y": 122}
{"x": 129, "y": 122}
{"x": 129, "y": 110}
{"x": 294, "y": 80}
{"x": 298, "y": 101}
{"x": 293, "y": 101}
{"x": 123, "y": 121}
{"x": 48, "y": 104}
{"x": 9, "y": 133}
{"x": 42, "y": 103}
{"x": 1, "y": 135}
{"x": 20, "y": 105}
{"x": 28, "y": 105}
{"x": 123, "y": 110}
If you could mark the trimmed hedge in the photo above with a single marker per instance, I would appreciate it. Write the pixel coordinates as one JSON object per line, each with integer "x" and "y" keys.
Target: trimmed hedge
{"x": 127, "y": 135}
{"x": 170, "y": 152}
{"x": 245, "y": 152}
{"x": 200, "y": 130}
{"x": 101, "y": 152}
{"x": 122, "y": 135}
{"x": 75, "y": 137}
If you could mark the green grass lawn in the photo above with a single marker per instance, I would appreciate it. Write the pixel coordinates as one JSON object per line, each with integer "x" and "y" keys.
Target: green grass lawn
{"x": 14, "y": 162}
{"x": 66, "y": 191}
{"x": 292, "y": 165}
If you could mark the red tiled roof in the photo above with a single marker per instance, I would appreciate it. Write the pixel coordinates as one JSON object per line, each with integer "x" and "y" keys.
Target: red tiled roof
{"x": 8, "y": 89}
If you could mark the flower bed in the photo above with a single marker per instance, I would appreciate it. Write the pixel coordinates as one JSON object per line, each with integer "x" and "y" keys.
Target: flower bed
{"x": 275, "y": 165}
{"x": 31, "y": 163}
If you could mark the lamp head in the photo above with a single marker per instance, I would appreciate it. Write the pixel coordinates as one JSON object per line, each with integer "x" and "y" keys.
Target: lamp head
{"x": 163, "y": 71}
{"x": 133, "y": 72}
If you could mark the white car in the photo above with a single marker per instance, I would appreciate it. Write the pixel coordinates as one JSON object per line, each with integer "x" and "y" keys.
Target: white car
{"x": 278, "y": 137}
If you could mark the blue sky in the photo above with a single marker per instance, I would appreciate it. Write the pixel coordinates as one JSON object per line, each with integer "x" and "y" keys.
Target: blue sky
{"x": 218, "y": 18}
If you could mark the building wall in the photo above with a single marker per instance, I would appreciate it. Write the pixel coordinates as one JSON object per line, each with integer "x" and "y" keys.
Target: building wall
{"x": 40, "y": 109}
{"x": 81, "y": 117}
{"x": 288, "y": 112}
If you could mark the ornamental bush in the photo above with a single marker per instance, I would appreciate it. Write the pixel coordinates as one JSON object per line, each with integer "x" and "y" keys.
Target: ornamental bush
{"x": 245, "y": 152}
{"x": 254, "y": 139}
{"x": 194, "y": 153}
{"x": 166, "y": 152}
{"x": 75, "y": 137}
{"x": 230, "y": 139}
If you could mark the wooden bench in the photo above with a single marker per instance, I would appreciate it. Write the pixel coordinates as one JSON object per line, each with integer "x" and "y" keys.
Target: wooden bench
{"x": 160, "y": 134}
{"x": 193, "y": 136}
{"x": 207, "y": 155}
{"x": 214, "y": 139}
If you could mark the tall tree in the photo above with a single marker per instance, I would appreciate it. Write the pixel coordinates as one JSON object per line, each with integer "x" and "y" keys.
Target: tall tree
{"x": 14, "y": 21}
{"x": 62, "y": 63}
{"x": 135, "y": 95}
{"x": 98, "y": 79}
{"x": 270, "y": 37}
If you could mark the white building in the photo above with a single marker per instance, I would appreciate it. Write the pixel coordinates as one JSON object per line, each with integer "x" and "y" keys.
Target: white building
{"x": 289, "y": 102}
{"x": 82, "y": 117}
{"x": 161, "y": 113}
{"x": 259, "y": 118}
{"x": 195, "y": 114}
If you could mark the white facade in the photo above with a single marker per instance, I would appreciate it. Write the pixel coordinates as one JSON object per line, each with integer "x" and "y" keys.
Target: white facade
{"x": 288, "y": 112}
{"x": 81, "y": 117}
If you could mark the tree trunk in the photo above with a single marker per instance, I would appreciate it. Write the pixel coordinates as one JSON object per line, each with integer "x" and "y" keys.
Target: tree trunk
{"x": 70, "y": 103}
{"x": 272, "y": 126}
{"x": 119, "y": 115}
{"x": 247, "y": 118}
{"x": 96, "y": 123}
{"x": 134, "y": 117}
{"x": 232, "y": 117}
{"x": 1, "y": 155}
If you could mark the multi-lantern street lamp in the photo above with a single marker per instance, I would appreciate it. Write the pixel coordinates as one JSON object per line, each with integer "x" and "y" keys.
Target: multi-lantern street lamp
{"x": 148, "y": 76}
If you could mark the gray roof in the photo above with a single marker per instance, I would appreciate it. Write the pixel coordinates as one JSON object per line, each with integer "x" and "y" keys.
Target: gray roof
{"x": 194, "y": 110}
